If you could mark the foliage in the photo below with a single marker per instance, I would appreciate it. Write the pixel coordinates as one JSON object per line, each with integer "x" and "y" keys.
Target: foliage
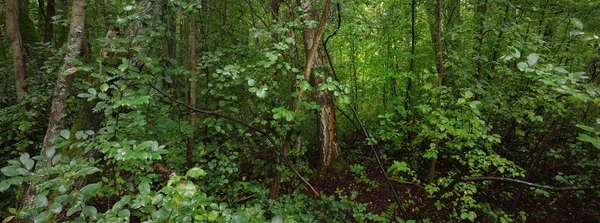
{"x": 518, "y": 99}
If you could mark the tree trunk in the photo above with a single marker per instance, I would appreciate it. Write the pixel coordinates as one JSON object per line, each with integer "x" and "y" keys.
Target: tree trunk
{"x": 58, "y": 111}
{"x": 16, "y": 46}
{"x": 193, "y": 89}
{"x": 326, "y": 133}
{"x": 439, "y": 62}
{"x": 479, "y": 16}
{"x": 48, "y": 26}
{"x": 61, "y": 90}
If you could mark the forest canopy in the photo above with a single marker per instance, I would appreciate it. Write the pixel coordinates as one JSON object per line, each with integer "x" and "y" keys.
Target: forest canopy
{"x": 300, "y": 111}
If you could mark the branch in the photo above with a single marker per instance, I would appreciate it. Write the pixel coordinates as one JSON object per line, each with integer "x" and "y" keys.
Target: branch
{"x": 360, "y": 126}
{"x": 509, "y": 180}
{"x": 316, "y": 40}
{"x": 262, "y": 133}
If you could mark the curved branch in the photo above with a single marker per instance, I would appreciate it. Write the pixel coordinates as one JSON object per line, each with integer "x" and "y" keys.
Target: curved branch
{"x": 262, "y": 133}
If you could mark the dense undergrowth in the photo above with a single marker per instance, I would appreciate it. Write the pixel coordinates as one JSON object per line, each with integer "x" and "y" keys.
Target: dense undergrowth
{"x": 530, "y": 115}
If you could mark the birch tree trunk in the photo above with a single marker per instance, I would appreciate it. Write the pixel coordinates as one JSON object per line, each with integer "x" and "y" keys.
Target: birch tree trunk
{"x": 326, "y": 132}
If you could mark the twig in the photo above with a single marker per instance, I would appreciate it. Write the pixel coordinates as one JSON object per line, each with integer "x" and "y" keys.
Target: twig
{"x": 262, "y": 133}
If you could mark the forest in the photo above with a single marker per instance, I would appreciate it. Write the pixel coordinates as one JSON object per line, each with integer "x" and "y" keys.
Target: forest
{"x": 300, "y": 111}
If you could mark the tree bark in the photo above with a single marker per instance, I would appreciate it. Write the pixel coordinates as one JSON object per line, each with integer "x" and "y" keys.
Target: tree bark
{"x": 193, "y": 89}
{"x": 58, "y": 111}
{"x": 16, "y": 46}
{"x": 326, "y": 121}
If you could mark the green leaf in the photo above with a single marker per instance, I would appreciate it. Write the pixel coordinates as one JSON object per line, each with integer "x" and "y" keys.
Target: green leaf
{"x": 522, "y": 66}
{"x": 42, "y": 217}
{"x": 55, "y": 207}
{"x": 86, "y": 171}
{"x": 586, "y": 128}
{"x": 578, "y": 24}
{"x": 92, "y": 91}
{"x": 73, "y": 210}
{"x": 592, "y": 140}
{"x": 196, "y": 172}
{"x": 532, "y": 59}
{"x": 157, "y": 199}
{"x": 29, "y": 164}
{"x": 304, "y": 85}
{"x": 561, "y": 70}
{"x": 4, "y": 186}
{"x": 50, "y": 152}
{"x": 104, "y": 87}
{"x": 262, "y": 92}
{"x": 65, "y": 134}
{"x": 90, "y": 211}
{"x": 144, "y": 188}
{"x": 124, "y": 213}
{"x": 40, "y": 200}
{"x": 9, "y": 171}
{"x": 468, "y": 94}
{"x": 90, "y": 189}
{"x": 123, "y": 66}
{"x": 24, "y": 158}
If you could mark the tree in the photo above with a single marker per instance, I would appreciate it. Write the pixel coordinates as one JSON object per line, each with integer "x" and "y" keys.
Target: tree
{"x": 326, "y": 121}
{"x": 18, "y": 52}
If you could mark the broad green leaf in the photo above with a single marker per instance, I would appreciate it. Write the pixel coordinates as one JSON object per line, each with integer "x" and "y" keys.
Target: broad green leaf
{"x": 262, "y": 92}
{"x": 4, "y": 186}
{"x": 196, "y": 172}
{"x": 468, "y": 94}
{"x": 304, "y": 85}
{"x": 29, "y": 164}
{"x": 522, "y": 66}
{"x": 592, "y": 140}
{"x": 90, "y": 189}
{"x": 44, "y": 216}
{"x": 144, "y": 188}
{"x": 586, "y": 128}
{"x": 90, "y": 211}
{"x": 50, "y": 152}
{"x": 65, "y": 134}
{"x": 532, "y": 59}
{"x": 104, "y": 87}
{"x": 561, "y": 70}
{"x": 74, "y": 209}
{"x": 40, "y": 200}
{"x": 55, "y": 207}
{"x": 124, "y": 213}
{"x": 87, "y": 171}
{"x": 157, "y": 199}
{"x": 9, "y": 171}
{"x": 24, "y": 158}
{"x": 92, "y": 91}
{"x": 578, "y": 24}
